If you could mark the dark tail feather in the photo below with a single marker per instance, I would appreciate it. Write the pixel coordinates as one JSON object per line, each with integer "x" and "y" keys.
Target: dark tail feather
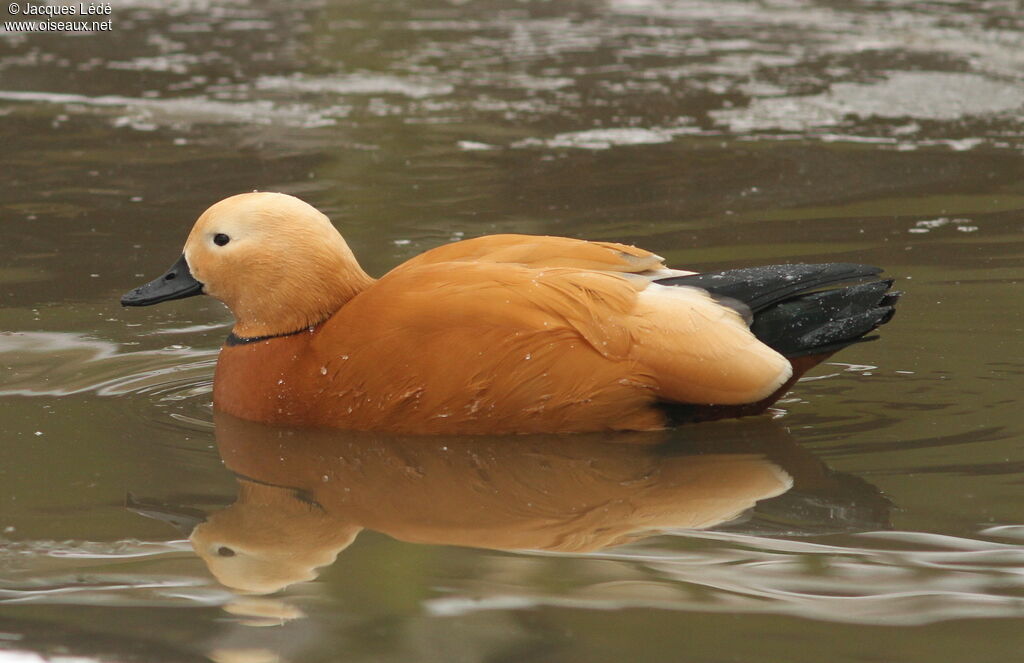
{"x": 825, "y": 321}
{"x": 760, "y": 287}
{"x": 791, "y": 318}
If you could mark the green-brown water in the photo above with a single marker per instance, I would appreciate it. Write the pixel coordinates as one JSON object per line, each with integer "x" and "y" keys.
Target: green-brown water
{"x": 878, "y": 516}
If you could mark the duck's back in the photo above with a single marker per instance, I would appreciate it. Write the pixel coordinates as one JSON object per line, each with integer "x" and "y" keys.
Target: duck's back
{"x": 543, "y": 251}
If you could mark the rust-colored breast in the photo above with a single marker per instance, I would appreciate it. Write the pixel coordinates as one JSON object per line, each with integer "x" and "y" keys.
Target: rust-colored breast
{"x": 267, "y": 380}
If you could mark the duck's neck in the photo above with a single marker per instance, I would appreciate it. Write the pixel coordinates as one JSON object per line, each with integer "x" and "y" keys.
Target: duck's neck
{"x": 304, "y": 296}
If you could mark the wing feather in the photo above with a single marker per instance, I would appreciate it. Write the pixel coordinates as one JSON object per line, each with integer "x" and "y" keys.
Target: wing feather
{"x": 567, "y": 348}
{"x": 701, "y": 350}
{"x": 542, "y": 251}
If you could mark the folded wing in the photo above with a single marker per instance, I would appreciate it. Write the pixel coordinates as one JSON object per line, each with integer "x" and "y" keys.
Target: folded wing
{"x": 563, "y": 347}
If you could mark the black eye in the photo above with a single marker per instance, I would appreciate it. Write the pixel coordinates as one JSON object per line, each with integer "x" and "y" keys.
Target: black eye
{"x": 220, "y": 239}
{"x": 224, "y": 551}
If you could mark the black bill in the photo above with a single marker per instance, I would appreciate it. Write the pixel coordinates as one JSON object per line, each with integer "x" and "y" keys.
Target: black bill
{"x": 182, "y": 518}
{"x": 176, "y": 283}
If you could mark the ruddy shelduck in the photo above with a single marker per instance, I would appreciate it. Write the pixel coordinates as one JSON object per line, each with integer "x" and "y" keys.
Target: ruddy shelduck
{"x": 503, "y": 333}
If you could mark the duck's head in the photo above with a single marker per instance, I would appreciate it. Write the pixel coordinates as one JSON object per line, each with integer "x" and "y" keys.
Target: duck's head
{"x": 276, "y": 261}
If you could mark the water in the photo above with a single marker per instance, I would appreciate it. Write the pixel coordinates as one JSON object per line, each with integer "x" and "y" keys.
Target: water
{"x": 875, "y": 515}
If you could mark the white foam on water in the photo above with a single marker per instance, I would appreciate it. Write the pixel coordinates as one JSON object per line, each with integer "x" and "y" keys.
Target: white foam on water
{"x": 603, "y": 139}
{"x": 356, "y": 84}
{"x": 150, "y": 113}
{"x": 919, "y": 95}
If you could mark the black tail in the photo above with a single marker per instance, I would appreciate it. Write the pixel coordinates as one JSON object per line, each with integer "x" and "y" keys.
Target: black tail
{"x": 793, "y": 313}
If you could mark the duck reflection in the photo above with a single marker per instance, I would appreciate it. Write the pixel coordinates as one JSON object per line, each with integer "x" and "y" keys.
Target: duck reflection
{"x": 304, "y": 495}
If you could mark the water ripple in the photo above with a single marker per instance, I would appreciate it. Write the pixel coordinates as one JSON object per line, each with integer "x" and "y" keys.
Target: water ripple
{"x": 57, "y": 364}
{"x": 89, "y": 573}
{"x": 62, "y": 364}
{"x": 906, "y": 578}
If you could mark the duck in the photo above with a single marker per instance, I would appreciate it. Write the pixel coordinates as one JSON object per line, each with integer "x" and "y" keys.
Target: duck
{"x": 502, "y": 333}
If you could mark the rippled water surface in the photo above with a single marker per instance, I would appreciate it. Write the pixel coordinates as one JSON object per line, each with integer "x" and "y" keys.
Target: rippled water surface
{"x": 877, "y": 515}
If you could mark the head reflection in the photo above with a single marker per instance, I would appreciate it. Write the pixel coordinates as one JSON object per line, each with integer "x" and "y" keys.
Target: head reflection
{"x": 304, "y": 495}
{"x": 269, "y": 538}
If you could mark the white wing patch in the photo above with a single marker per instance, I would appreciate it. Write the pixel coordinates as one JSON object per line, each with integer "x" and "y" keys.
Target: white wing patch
{"x": 702, "y": 351}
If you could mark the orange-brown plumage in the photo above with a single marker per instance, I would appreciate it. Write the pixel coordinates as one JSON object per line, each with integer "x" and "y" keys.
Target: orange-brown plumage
{"x": 506, "y": 333}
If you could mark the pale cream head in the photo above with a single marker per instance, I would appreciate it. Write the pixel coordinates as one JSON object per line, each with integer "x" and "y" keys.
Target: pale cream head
{"x": 276, "y": 261}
